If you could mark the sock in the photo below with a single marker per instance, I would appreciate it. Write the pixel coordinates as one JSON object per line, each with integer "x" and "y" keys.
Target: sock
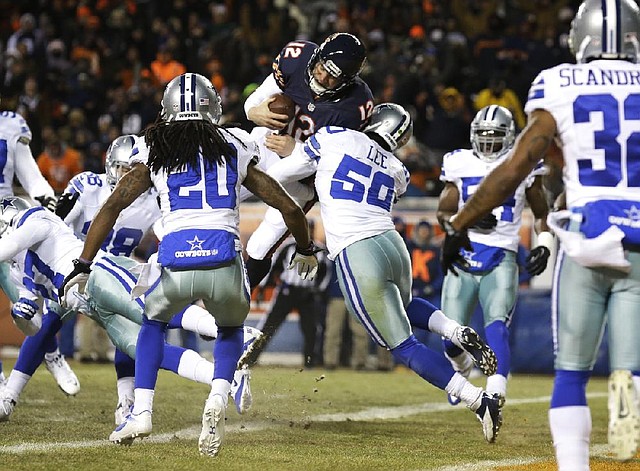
{"x": 125, "y": 365}
{"x": 427, "y": 363}
{"x": 570, "y": 430}
{"x": 442, "y": 325}
{"x": 221, "y": 387}
{"x": 451, "y": 349}
{"x": 569, "y": 388}
{"x": 257, "y": 270}
{"x": 419, "y": 311}
{"x": 143, "y": 400}
{"x": 16, "y": 383}
{"x": 149, "y": 353}
{"x": 226, "y": 352}
{"x": 497, "y": 384}
{"x": 193, "y": 366}
{"x": 33, "y": 348}
{"x": 462, "y": 363}
{"x": 198, "y": 320}
{"x": 125, "y": 388}
{"x": 51, "y": 345}
{"x": 497, "y": 335}
{"x": 458, "y": 386}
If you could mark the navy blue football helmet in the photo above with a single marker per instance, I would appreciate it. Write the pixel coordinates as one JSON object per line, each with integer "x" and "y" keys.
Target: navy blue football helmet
{"x": 343, "y": 56}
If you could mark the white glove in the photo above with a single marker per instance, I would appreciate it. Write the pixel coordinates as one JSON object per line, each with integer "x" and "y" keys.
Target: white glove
{"x": 305, "y": 261}
{"x": 77, "y": 278}
{"x": 25, "y": 316}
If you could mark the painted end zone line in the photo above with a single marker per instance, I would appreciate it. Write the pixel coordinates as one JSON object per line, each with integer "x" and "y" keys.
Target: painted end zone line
{"x": 373, "y": 413}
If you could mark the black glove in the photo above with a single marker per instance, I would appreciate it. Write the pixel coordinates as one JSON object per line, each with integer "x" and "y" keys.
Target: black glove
{"x": 66, "y": 202}
{"x": 78, "y": 277}
{"x": 486, "y": 223}
{"x": 537, "y": 260}
{"x": 453, "y": 242}
{"x": 48, "y": 202}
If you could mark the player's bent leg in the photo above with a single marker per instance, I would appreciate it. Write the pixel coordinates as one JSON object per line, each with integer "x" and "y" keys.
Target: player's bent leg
{"x": 436, "y": 369}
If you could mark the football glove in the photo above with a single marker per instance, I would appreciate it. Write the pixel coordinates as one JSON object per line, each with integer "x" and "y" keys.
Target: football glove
{"x": 537, "y": 260}
{"x": 65, "y": 204}
{"x": 486, "y": 223}
{"x": 48, "y": 202}
{"x": 24, "y": 312}
{"x": 305, "y": 261}
{"x": 453, "y": 242}
{"x": 77, "y": 279}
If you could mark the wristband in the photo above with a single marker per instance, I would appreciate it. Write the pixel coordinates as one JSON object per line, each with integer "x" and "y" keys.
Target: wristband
{"x": 310, "y": 250}
{"x": 546, "y": 239}
{"x": 83, "y": 265}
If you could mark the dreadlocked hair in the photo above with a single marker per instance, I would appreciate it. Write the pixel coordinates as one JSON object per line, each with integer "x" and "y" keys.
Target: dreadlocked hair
{"x": 178, "y": 144}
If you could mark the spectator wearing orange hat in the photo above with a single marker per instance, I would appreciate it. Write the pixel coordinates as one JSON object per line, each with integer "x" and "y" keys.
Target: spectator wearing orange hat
{"x": 165, "y": 67}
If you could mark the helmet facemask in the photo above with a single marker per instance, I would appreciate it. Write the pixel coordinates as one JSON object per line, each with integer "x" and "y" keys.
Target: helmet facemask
{"x": 492, "y": 133}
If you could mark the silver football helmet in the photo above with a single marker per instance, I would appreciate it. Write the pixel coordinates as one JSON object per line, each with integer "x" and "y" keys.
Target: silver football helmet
{"x": 191, "y": 97}
{"x": 10, "y": 206}
{"x": 391, "y": 122}
{"x": 606, "y": 29}
{"x": 493, "y": 132}
{"x": 117, "y": 160}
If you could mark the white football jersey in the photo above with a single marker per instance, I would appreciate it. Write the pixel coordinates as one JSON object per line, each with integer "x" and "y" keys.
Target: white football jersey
{"x": 204, "y": 199}
{"x": 357, "y": 183}
{"x": 599, "y": 163}
{"x": 462, "y": 168}
{"x": 16, "y": 158}
{"x": 132, "y": 223}
{"x": 42, "y": 249}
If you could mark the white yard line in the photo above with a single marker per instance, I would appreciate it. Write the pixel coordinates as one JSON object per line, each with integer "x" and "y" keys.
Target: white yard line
{"x": 366, "y": 414}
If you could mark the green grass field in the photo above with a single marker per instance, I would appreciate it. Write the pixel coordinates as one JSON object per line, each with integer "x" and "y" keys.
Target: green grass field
{"x": 300, "y": 420}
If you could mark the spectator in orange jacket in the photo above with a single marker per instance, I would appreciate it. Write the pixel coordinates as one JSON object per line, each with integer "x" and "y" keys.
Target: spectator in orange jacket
{"x": 59, "y": 163}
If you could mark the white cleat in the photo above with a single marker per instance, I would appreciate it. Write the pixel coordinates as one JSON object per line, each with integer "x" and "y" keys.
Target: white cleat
{"x": 63, "y": 374}
{"x": 624, "y": 417}
{"x": 251, "y": 334}
{"x": 241, "y": 389}
{"x": 134, "y": 426}
{"x": 7, "y": 404}
{"x": 213, "y": 419}
{"x": 468, "y": 340}
{"x": 123, "y": 409}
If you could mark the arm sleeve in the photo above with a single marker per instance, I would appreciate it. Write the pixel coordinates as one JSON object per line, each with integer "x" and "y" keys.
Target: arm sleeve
{"x": 267, "y": 88}
{"x": 22, "y": 238}
{"x": 29, "y": 174}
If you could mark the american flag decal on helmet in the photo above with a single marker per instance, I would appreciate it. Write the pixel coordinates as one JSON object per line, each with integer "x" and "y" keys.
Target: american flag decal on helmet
{"x": 204, "y": 102}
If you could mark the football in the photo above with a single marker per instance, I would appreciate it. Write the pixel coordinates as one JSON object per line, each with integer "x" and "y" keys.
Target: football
{"x": 283, "y": 105}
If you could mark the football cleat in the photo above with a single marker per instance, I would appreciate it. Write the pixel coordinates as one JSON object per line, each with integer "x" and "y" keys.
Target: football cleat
{"x": 63, "y": 374}
{"x": 251, "y": 334}
{"x": 134, "y": 426}
{"x": 7, "y": 404}
{"x": 123, "y": 409}
{"x": 624, "y": 417}
{"x": 489, "y": 413}
{"x": 213, "y": 419}
{"x": 241, "y": 389}
{"x": 483, "y": 357}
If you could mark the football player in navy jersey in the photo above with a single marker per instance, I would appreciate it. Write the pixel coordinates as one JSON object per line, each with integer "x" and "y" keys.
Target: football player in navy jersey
{"x": 323, "y": 82}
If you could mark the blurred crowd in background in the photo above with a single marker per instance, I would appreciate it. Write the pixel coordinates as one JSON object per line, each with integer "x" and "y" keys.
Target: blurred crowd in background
{"x": 83, "y": 72}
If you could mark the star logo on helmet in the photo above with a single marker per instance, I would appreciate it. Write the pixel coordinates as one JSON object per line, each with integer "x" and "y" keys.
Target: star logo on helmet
{"x": 7, "y": 203}
{"x": 196, "y": 244}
